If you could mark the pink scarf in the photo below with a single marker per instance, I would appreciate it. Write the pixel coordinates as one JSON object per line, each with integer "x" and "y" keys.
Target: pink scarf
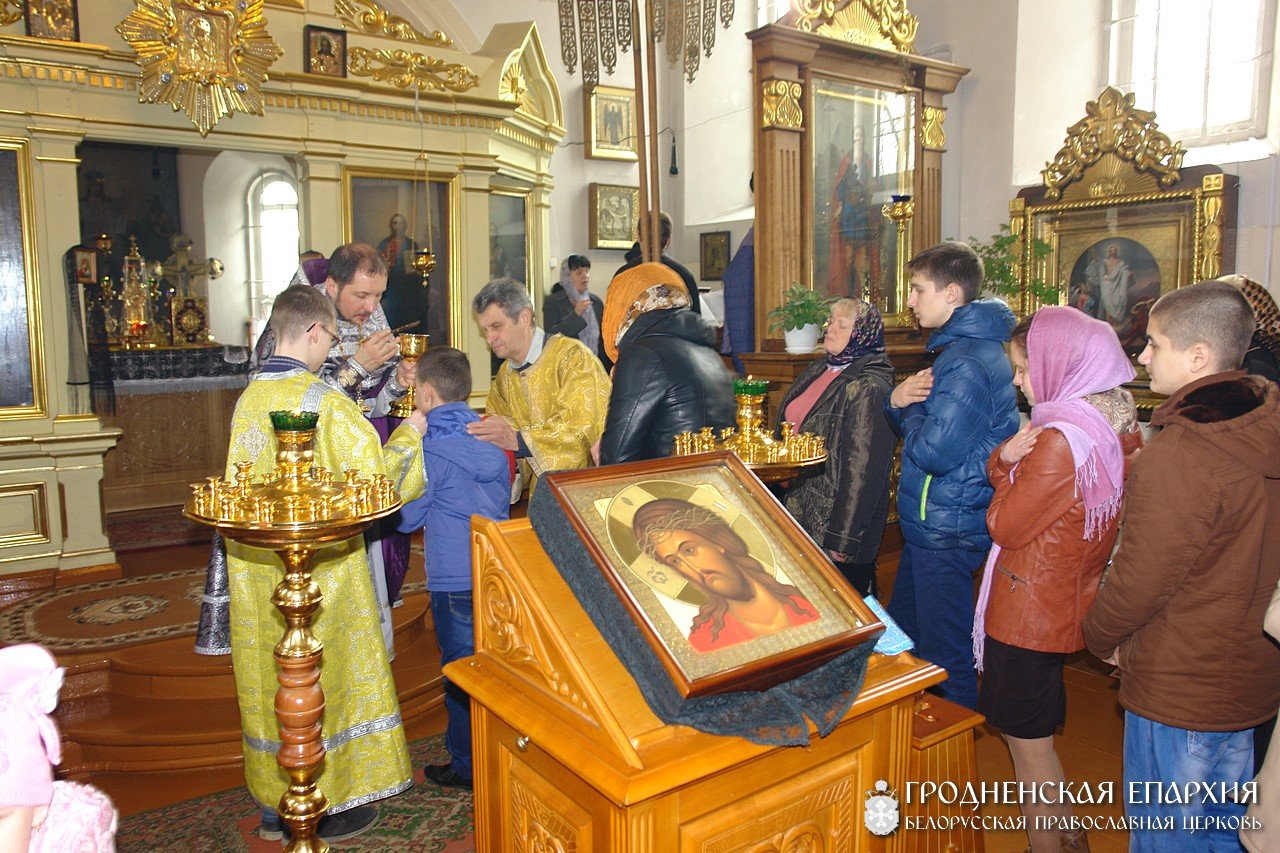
{"x": 1071, "y": 355}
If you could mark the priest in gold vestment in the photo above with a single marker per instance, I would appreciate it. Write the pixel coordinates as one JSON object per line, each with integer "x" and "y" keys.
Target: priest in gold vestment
{"x": 367, "y": 758}
{"x": 549, "y": 400}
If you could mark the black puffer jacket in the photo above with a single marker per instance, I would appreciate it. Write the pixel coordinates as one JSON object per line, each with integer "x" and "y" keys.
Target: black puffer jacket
{"x": 669, "y": 379}
{"x": 843, "y": 504}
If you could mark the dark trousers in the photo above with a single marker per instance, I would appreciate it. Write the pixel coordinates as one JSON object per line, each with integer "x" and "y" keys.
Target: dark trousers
{"x": 861, "y": 576}
{"x": 455, "y": 632}
{"x": 933, "y": 602}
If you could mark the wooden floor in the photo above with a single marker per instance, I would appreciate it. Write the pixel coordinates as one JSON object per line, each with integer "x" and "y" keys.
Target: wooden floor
{"x": 1089, "y": 746}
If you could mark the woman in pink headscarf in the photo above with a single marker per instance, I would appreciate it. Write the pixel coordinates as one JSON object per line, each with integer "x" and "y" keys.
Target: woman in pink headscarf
{"x": 1059, "y": 484}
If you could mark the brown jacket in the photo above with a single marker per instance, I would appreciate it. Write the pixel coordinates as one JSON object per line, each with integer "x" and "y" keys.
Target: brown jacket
{"x": 1190, "y": 583}
{"x": 1047, "y": 573}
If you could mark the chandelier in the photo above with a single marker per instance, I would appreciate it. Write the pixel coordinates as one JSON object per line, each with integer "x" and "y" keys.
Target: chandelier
{"x": 593, "y": 31}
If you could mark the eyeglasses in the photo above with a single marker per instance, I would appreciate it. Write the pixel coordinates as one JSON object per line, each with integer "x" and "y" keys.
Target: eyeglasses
{"x": 336, "y": 338}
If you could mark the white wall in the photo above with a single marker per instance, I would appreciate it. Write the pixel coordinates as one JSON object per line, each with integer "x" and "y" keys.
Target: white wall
{"x": 712, "y": 119}
{"x": 977, "y": 168}
{"x": 715, "y": 143}
{"x": 572, "y": 172}
{"x": 224, "y": 235}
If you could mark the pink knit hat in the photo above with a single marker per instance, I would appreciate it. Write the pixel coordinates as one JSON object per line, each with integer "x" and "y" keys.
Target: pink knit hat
{"x": 29, "y": 742}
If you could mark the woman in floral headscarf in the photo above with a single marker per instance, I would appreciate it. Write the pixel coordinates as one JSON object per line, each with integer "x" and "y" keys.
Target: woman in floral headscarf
{"x": 667, "y": 376}
{"x": 844, "y": 503}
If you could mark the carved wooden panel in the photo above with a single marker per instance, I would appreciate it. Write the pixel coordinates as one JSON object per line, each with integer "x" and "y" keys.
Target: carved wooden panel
{"x": 510, "y": 631}
{"x": 817, "y": 811}
{"x": 543, "y": 819}
{"x": 168, "y": 441}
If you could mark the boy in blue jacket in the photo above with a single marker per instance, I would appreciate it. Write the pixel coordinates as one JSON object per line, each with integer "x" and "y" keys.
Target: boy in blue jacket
{"x": 950, "y": 417}
{"x": 465, "y": 477}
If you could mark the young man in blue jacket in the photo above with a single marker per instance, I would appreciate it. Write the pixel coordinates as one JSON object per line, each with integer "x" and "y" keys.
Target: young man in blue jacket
{"x": 950, "y": 417}
{"x": 465, "y": 477}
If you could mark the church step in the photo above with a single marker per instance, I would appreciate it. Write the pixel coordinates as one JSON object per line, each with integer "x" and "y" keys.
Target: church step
{"x": 161, "y": 707}
{"x": 171, "y": 668}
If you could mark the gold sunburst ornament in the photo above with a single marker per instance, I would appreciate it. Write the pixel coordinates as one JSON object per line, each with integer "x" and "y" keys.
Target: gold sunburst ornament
{"x": 206, "y": 57}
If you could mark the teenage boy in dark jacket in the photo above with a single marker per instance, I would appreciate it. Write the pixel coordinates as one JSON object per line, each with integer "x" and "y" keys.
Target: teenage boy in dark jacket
{"x": 465, "y": 477}
{"x": 950, "y": 417}
{"x": 1182, "y": 609}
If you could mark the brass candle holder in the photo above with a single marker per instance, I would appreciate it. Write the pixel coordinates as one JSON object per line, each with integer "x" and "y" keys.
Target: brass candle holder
{"x": 900, "y": 211}
{"x": 411, "y": 349}
{"x": 771, "y": 459}
{"x": 296, "y": 511}
{"x": 424, "y": 261}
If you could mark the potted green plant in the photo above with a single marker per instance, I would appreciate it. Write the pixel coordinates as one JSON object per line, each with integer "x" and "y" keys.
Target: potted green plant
{"x": 1000, "y": 257}
{"x": 799, "y": 317}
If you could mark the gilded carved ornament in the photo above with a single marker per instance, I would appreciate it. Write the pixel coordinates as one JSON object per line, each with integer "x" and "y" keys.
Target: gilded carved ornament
{"x": 933, "y": 136}
{"x": 780, "y": 104}
{"x": 874, "y": 23}
{"x": 206, "y": 57}
{"x": 511, "y": 87}
{"x": 1210, "y": 227}
{"x": 404, "y": 69}
{"x": 10, "y": 12}
{"x": 1112, "y": 125}
{"x": 366, "y": 16}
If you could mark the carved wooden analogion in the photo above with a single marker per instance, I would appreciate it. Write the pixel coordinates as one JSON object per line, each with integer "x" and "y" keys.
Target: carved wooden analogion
{"x": 568, "y": 756}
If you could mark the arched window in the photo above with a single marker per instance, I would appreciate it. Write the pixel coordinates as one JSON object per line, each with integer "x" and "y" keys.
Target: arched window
{"x": 273, "y": 241}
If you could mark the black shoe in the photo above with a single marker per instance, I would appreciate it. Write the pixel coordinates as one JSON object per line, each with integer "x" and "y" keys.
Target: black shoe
{"x": 343, "y": 825}
{"x": 444, "y": 776}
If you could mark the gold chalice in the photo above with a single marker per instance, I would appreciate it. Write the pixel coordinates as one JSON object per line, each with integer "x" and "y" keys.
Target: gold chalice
{"x": 297, "y": 510}
{"x": 411, "y": 349}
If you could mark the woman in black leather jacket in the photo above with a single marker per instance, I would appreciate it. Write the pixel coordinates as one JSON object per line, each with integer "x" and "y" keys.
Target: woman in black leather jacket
{"x": 843, "y": 504}
{"x": 667, "y": 377}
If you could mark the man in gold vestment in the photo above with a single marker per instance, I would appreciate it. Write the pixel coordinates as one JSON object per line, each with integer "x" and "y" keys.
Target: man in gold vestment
{"x": 367, "y": 758}
{"x": 549, "y": 400}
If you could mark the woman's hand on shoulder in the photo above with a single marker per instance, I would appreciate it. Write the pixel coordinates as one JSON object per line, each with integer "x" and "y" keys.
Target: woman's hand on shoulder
{"x": 1020, "y": 444}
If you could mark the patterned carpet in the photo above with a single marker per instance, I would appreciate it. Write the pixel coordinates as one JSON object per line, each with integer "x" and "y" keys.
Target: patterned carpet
{"x": 424, "y": 818}
{"x": 107, "y": 614}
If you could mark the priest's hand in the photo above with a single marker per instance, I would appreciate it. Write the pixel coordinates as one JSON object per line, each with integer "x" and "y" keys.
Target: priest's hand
{"x": 418, "y": 420}
{"x": 496, "y": 431}
{"x": 376, "y": 350}
{"x": 406, "y": 374}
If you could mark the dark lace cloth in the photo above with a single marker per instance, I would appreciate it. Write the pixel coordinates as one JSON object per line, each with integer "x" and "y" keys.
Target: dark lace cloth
{"x": 184, "y": 363}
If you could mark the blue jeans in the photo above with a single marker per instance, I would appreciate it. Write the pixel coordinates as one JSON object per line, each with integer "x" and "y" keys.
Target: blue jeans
{"x": 1154, "y": 752}
{"x": 933, "y": 602}
{"x": 455, "y": 632}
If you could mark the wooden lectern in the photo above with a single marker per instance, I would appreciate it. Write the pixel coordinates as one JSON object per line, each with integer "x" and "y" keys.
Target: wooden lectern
{"x": 568, "y": 756}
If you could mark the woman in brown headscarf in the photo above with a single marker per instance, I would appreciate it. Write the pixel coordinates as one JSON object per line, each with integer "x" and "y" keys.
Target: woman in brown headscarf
{"x": 1263, "y": 356}
{"x": 667, "y": 377}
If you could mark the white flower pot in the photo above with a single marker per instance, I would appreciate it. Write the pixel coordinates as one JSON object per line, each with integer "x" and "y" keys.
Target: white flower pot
{"x": 801, "y": 341}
